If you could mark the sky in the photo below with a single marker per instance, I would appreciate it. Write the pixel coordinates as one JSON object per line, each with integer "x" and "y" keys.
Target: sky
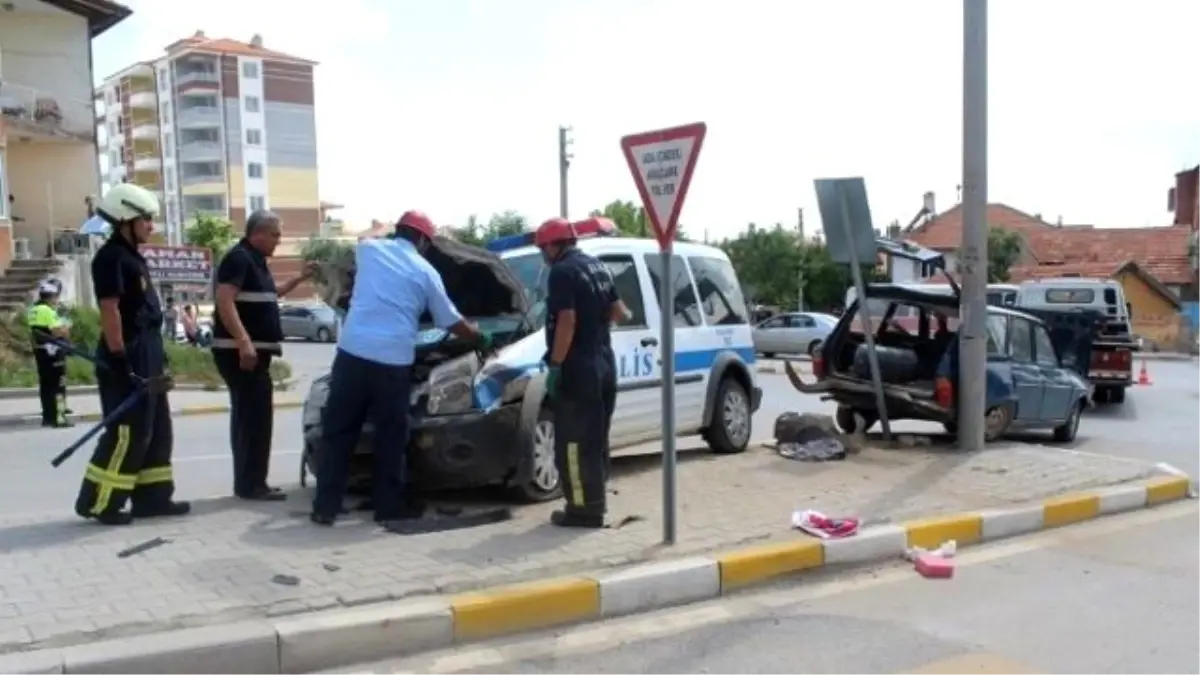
{"x": 453, "y": 106}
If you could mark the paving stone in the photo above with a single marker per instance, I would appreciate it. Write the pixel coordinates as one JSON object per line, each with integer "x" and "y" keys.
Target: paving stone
{"x": 221, "y": 561}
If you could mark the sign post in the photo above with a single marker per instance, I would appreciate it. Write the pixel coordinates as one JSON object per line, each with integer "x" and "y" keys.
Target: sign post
{"x": 662, "y": 163}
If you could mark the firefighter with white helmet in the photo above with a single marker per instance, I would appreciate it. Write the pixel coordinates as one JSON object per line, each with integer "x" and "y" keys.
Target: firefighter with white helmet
{"x": 132, "y": 460}
{"x": 45, "y": 325}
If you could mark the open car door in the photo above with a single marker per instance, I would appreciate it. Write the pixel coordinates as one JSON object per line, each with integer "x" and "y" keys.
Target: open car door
{"x": 1072, "y": 332}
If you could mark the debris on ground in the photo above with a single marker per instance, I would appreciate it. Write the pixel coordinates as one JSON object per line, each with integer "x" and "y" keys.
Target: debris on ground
{"x": 935, "y": 564}
{"x": 820, "y": 450}
{"x": 143, "y": 547}
{"x": 819, "y": 525}
{"x": 627, "y": 520}
{"x": 330, "y": 567}
{"x": 286, "y": 580}
{"x": 804, "y": 428}
{"x": 439, "y": 522}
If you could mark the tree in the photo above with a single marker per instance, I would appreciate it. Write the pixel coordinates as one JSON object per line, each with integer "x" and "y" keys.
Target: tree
{"x": 1004, "y": 250}
{"x": 630, "y": 219}
{"x": 505, "y": 224}
{"x": 212, "y": 232}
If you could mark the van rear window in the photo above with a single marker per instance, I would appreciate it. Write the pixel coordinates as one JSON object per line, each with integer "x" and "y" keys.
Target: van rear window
{"x": 1071, "y": 296}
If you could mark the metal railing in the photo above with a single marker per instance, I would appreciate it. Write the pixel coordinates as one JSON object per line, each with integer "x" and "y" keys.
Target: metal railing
{"x": 201, "y": 151}
{"x": 198, "y": 116}
{"x": 205, "y": 76}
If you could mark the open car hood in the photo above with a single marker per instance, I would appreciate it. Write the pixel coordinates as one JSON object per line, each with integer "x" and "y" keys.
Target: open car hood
{"x": 477, "y": 281}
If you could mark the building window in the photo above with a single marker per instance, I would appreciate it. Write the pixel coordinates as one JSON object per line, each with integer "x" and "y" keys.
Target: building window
{"x": 3, "y": 190}
{"x": 166, "y": 114}
{"x": 120, "y": 125}
{"x": 169, "y": 173}
{"x": 168, "y": 145}
{"x": 253, "y": 137}
{"x": 112, "y": 97}
{"x": 252, "y": 104}
{"x": 254, "y": 170}
{"x": 258, "y": 203}
{"x": 250, "y": 70}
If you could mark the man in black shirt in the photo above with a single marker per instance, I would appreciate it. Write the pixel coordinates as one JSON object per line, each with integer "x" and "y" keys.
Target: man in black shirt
{"x": 246, "y": 336}
{"x": 581, "y": 381}
{"x": 132, "y": 460}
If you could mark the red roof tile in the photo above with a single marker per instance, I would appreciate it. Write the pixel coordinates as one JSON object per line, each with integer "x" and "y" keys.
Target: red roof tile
{"x": 944, "y": 231}
{"x": 1159, "y": 251}
{"x": 232, "y": 47}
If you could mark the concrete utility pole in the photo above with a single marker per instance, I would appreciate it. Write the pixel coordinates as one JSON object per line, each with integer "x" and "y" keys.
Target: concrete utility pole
{"x": 564, "y": 164}
{"x": 800, "y": 270}
{"x": 973, "y": 263}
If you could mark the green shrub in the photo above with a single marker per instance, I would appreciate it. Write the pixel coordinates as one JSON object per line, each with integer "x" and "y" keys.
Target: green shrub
{"x": 189, "y": 364}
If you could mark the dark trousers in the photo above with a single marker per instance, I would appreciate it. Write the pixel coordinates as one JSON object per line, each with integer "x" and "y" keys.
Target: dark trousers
{"x": 52, "y": 387}
{"x": 132, "y": 460}
{"x": 583, "y": 409}
{"x": 362, "y": 391}
{"x": 251, "y": 418}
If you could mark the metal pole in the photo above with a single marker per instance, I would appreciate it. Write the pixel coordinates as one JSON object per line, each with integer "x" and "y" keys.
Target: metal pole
{"x": 666, "y": 302}
{"x": 864, "y": 308}
{"x": 972, "y": 355}
{"x": 564, "y": 164}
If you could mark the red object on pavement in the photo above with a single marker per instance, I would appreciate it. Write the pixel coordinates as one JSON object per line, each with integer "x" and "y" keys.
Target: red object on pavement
{"x": 934, "y": 567}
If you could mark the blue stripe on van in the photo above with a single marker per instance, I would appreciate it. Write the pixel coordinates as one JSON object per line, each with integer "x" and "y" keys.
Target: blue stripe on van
{"x": 488, "y": 391}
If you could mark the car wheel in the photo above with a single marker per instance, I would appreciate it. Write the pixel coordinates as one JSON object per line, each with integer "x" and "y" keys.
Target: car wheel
{"x": 996, "y": 422}
{"x": 814, "y": 346}
{"x": 323, "y": 335}
{"x": 1066, "y": 433}
{"x": 845, "y": 418}
{"x": 544, "y": 482}
{"x": 729, "y": 430}
{"x": 1116, "y": 395}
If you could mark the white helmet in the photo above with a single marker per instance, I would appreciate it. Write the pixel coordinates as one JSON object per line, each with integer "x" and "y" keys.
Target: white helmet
{"x": 49, "y": 287}
{"x": 126, "y": 202}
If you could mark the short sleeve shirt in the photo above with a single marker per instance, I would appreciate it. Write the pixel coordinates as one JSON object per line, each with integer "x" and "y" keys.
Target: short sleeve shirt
{"x": 582, "y": 283}
{"x": 257, "y": 302}
{"x": 119, "y": 271}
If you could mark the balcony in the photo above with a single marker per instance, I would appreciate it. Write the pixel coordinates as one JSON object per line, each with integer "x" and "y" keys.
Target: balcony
{"x": 201, "y": 151}
{"x": 147, "y": 162}
{"x": 145, "y": 130}
{"x": 203, "y": 178}
{"x": 198, "y": 78}
{"x": 43, "y": 115}
{"x": 143, "y": 99}
{"x": 198, "y": 116}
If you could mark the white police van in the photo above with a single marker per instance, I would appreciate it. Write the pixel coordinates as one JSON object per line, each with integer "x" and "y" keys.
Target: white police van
{"x": 489, "y": 423}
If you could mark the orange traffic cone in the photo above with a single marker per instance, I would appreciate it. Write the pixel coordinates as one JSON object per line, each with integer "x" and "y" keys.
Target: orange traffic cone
{"x": 1143, "y": 376}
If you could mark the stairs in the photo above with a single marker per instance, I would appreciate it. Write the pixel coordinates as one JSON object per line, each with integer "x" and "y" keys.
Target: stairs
{"x": 19, "y": 282}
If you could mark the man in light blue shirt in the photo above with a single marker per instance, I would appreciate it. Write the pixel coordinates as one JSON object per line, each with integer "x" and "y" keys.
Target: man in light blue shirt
{"x": 371, "y": 378}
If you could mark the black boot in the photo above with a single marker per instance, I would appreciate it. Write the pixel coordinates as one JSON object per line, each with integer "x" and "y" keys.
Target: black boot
{"x": 572, "y": 518}
{"x": 162, "y": 510}
{"x": 110, "y": 517}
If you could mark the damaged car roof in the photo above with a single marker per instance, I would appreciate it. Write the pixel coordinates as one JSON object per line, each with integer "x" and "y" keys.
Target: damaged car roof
{"x": 917, "y": 296}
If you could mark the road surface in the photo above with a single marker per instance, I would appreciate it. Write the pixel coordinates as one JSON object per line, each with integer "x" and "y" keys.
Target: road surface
{"x": 1114, "y": 596}
{"x": 1157, "y": 423}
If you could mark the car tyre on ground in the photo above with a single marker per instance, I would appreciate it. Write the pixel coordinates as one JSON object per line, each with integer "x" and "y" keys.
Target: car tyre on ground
{"x": 323, "y": 335}
{"x": 729, "y": 429}
{"x": 1067, "y": 432}
{"x": 543, "y": 482}
{"x": 847, "y": 423}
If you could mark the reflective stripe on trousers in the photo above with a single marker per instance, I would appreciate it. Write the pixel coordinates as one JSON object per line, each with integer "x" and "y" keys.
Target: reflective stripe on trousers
{"x": 111, "y": 478}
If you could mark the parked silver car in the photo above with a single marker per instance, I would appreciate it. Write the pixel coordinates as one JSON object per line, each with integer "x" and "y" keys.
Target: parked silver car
{"x": 794, "y": 333}
{"x": 309, "y": 322}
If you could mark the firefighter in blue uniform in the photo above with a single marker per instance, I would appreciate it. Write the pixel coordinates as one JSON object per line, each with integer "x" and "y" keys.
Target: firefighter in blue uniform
{"x": 45, "y": 325}
{"x": 581, "y": 379}
{"x": 132, "y": 460}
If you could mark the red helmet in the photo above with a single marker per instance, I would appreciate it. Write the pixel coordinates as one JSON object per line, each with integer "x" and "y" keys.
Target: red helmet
{"x": 554, "y": 231}
{"x": 418, "y": 221}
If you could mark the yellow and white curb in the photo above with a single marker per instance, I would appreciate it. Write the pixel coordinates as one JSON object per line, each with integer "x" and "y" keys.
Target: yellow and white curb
{"x": 22, "y": 421}
{"x": 344, "y": 637}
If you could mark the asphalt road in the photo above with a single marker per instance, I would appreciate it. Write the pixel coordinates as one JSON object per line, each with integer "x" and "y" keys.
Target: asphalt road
{"x": 1157, "y": 423}
{"x": 1113, "y": 596}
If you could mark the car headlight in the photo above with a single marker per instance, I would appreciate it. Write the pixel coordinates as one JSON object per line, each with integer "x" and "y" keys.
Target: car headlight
{"x": 450, "y": 386}
{"x": 500, "y": 383}
{"x": 318, "y": 395}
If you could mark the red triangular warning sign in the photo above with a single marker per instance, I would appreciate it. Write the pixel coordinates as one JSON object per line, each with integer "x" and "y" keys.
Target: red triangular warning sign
{"x": 662, "y": 163}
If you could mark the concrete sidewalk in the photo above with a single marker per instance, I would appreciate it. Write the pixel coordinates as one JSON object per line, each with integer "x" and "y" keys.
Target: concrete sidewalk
{"x": 26, "y": 412}
{"x": 63, "y": 583}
